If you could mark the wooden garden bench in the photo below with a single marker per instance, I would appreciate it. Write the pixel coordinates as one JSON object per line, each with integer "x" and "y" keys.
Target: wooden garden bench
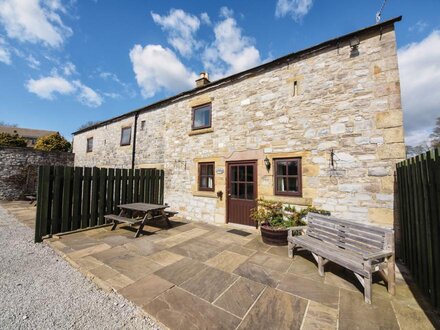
{"x": 363, "y": 249}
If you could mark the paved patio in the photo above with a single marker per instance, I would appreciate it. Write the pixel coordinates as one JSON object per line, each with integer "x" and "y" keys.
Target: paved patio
{"x": 197, "y": 276}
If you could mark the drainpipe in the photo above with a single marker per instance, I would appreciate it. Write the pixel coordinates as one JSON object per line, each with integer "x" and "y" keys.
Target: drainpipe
{"x": 133, "y": 154}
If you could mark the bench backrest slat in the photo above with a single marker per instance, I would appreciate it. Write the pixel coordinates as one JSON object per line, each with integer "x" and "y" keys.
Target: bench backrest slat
{"x": 355, "y": 237}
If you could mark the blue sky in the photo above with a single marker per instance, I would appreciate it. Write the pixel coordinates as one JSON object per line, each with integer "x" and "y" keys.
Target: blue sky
{"x": 63, "y": 63}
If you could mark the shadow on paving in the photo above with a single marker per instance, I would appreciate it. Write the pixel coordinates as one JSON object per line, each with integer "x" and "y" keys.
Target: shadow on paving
{"x": 197, "y": 275}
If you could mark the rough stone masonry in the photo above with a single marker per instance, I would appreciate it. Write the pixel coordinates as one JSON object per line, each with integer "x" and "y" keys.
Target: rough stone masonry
{"x": 339, "y": 100}
{"x": 19, "y": 169}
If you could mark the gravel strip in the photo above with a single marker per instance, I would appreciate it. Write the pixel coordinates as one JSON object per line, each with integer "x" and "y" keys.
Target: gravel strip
{"x": 40, "y": 290}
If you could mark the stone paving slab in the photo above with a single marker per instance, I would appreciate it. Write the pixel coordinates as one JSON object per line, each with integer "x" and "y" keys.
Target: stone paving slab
{"x": 240, "y": 296}
{"x": 275, "y": 310}
{"x": 178, "y": 309}
{"x": 197, "y": 275}
{"x": 209, "y": 283}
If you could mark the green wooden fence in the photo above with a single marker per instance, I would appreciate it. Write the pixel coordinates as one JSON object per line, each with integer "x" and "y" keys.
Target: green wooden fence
{"x": 418, "y": 181}
{"x": 71, "y": 198}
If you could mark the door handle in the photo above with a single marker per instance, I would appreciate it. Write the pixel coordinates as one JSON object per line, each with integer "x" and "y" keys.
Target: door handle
{"x": 229, "y": 195}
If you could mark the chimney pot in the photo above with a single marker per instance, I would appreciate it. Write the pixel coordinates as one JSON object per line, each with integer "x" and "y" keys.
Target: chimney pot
{"x": 203, "y": 80}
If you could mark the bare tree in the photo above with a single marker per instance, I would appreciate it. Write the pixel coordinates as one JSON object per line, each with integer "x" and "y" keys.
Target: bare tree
{"x": 3, "y": 123}
{"x": 435, "y": 135}
{"x": 88, "y": 124}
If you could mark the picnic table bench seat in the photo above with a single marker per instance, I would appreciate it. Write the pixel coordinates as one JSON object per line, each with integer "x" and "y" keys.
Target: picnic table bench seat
{"x": 363, "y": 249}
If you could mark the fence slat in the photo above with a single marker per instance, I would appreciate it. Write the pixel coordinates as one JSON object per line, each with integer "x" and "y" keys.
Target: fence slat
{"x": 47, "y": 201}
{"x": 102, "y": 191}
{"x": 162, "y": 186}
{"x": 136, "y": 187}
{"x": 77, "y": 197}
{"x": 95, "y": 197}
{"x": 124, "y": 187}
{"x": 66, "y": 212}
{"x": 110, "y": 188}
{"x": 38, "y": 218}
{"x": 130, "y": 186}
{"x": 142, "y": 186}
{"x": 85, "y": 215}
{"x": 117, "y": 190}
{"x": 57, "y": 199}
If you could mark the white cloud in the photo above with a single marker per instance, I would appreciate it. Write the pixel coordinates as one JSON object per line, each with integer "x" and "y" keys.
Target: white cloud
{"x": 420, "y": 26}
{"x": 419, "y": 66}
{"x": 297, "y": 9}
{"x": 231, "y": 52}
{"x": 69, "y": 68}
{"x": 157, "y": 68}
{"x": 181, "y": 28}
{"x": 32, "y": 62}
{"x": 205, "y": 18}
{"x": 5, "y": 54}
{"x": 48, "y": 86}
{"x": 34, "y": 21}
{"x": 87, "y": 96}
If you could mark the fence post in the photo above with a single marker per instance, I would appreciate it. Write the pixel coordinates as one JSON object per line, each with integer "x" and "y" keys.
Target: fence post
{"x": 38, "y": 237}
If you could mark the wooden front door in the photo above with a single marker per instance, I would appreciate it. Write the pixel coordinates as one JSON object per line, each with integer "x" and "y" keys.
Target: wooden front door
{"x": 241, "y": 191}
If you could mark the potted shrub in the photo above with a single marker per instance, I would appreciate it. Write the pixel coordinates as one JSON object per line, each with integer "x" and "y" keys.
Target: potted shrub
{"x": 275, "y": 218}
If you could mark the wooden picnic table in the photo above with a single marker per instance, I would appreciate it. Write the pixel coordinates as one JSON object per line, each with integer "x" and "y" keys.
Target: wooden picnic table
{"x": 135, "y": 213}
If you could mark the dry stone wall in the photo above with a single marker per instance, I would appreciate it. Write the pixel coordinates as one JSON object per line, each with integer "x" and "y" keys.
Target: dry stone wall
{"x": 346, "y": 105}
{"x": 19, "y": 169}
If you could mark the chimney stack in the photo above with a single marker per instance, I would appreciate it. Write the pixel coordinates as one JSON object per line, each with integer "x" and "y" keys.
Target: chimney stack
{"x": 203, "y": 80}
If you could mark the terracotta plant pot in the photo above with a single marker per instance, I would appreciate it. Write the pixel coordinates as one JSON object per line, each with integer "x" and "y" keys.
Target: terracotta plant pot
{"x": 271, "y": 236}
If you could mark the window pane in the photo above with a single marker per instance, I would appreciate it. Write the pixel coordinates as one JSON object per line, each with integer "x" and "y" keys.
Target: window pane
{"x": 241, "y": 191}
{"x": 281, "y": 168}
{"x": 234, "y": 173}
{"x": 126, "y": 135}
{"x": 281, "y": 184}
{"x": 202, "y": 116}
{"x": 250, "y": 191}
{"x": 234, "y": 192}
{"x": 203, "y": 169}
{"x": 293, "y": 167}
{"x": 203, "y": 182}
{"x": 241, "y": 172}
{"x": 293, "y": 184}
{"x": 210, "y": 169}
{"x": 210, "y": 182}
{"x": 250, "y": 174}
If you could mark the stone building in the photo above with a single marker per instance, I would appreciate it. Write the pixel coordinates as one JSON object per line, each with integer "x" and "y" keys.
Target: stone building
{"x": 322, "y": 126}
{"x": 29, "y": 134}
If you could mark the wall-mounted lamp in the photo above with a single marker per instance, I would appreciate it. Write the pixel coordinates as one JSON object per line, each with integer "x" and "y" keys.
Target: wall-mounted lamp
{"x": 354, "y": 44}
{"x": 267, "y": 163}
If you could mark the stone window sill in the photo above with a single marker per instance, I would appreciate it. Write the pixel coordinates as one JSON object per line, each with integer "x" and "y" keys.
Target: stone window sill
{"x": 208, "y": 194}
{"x": 291, "y": 199}
{"x": 201, "y": 131}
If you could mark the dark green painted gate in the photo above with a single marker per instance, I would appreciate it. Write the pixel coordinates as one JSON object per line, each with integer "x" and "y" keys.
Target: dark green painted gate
{"x": 418, "y": 181}
{"x": 71, "y": 198}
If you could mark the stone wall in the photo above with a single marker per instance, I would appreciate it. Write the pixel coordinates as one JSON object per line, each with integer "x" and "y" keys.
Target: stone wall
{"x": 345, "y": 103}
{"x": 19, "y": 169}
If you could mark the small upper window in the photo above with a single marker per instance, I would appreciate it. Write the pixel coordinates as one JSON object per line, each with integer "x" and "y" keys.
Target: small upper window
{"x": 206, "y": 176}
{"x": 90, "y": 144}
{"x": 201, "y": 116}
{"x": 126, "y": 136}
{"x": 288, "y": 176}
{"x": 142, "y": 125}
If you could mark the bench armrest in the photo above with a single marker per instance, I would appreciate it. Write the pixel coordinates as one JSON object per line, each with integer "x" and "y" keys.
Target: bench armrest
{"x": 295, "y": 229}
{"x": 377, "y": 255}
